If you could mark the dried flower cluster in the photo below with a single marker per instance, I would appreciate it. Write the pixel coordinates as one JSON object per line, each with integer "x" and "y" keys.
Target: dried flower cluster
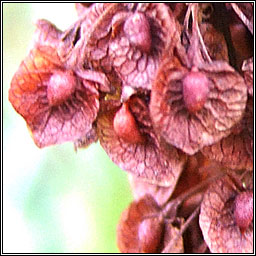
{"x": 167, "y": 89}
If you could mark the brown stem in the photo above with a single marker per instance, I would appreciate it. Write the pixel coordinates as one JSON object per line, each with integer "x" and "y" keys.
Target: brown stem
{"x": 196, "y": 31}
{"x": 187, "y": 16}
{"x": 172, "y": 243}
{"x": 241, "y": 15}
{"x": 196, "y": 38}
{"x": 170, "y": 208}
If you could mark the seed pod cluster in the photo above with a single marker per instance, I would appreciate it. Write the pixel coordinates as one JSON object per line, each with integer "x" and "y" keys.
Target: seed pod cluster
{"x": 167, "y": 90}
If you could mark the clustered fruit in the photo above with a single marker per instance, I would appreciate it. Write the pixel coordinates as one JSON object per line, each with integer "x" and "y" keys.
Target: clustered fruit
{"x": 167, "y": 89}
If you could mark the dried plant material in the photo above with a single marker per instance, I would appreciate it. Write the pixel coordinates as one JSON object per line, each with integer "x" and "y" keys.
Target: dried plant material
{"x": 205, "y": 11}
{"x": 198, "y": 173}
{"x": 178, "y": 9}
{"x": 46, "y": 34}
{"x": 153, "y": 160}
{"x": 242, "y": 42}
{"x": 137, "y": 29}
{"x": 172, "y": 232}
{"x": 84, "y": 44}
{"x": 125, "y": 126}
{"x": 243, "y": 210}
{"x": 190, "y": 204}
{"x": 172, "y": 247}
{"x": 143, "y": 229}
{"x": 56, "y": 104}
{"x": 236, "y": 150}
{"x": 247, "y": 69}
{"x": 195, "y": 90}
{"x": 241, "y": 38}
{"x": 191, "y": 175}
{"x": 141, "y": 37}
{"x": 247, "y": 20}
{"x": 214, "y": 42}
{"x": 223, "y": 108}
{"x": 97, "y": 27}
{"x": 218, "y": 223}
{"x": 168, "y": 91}
{"x": 68, "y": 46}
{"x": 86, "y": 140}
{"x": 140, "y": 188}
{"x": 81, "y": 8}
{"x": 193, "y": 238}
{"x": 246, "y": 8}
{"x": 150, "y": 233}
{"x": 202, "y": 248}
{"x": 190, "y": 121}
{"x": 61, "y": 85}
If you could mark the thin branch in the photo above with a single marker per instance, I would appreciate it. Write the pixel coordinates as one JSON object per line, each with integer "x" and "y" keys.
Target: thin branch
{"x": 196, "y": 30}
{"x": 173, "y": 205}
{"x": 172, "y": 243}
{"x": 247, "y": 23}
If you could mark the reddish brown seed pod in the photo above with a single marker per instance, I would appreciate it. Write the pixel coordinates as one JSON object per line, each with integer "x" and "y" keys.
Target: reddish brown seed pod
{"x": 137, "y": 28}
{"x": 150, "y": 234}
{"x": 143, "y": 228}
{"x": 57, "y": 104}
{"x": 153, "y": 160}
{"x": 195, "y": 90}
{"x": 60, "y": 86}
{"x": 125, "y": 125}
{"x": 140, "y": 34}
{"x": 222, "y": 201}
{"x": 131, "y": 232}
{"x": 243, "y": 209}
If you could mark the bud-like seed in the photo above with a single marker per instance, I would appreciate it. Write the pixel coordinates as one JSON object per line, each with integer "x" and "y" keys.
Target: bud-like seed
{"x": 243, "y": 211}
{"x": 195, "y": 90}
{"x": 137, "y": 29}
{"x": 60, "y": 86}
{"x": 125, "y": 126}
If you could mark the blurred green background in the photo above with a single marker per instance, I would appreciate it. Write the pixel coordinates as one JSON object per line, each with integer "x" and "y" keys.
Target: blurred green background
{"x": 54, "y": 200}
